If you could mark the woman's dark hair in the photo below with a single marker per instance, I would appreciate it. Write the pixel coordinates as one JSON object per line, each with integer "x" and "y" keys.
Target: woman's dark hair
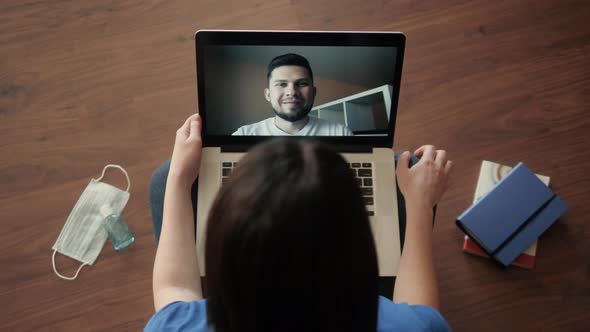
{"x": 289, "y": 246}
{"x": 289, "y": 59}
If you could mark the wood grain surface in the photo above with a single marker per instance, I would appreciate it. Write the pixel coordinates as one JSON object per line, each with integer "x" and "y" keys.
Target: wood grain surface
{"x": 87, "y": 83}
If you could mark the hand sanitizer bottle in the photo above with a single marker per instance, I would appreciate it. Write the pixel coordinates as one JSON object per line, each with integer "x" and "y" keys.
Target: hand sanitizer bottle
{"x": 117, "y": 230}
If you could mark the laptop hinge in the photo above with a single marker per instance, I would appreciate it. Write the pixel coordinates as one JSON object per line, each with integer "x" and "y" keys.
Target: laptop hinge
{"x": 342, "y": 148}
{"x": 235, "y": 148}
{"x": 353, "y": 148}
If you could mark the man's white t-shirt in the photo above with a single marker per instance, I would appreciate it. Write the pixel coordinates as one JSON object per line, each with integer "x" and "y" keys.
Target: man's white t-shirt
{"x": 314, "y": 127}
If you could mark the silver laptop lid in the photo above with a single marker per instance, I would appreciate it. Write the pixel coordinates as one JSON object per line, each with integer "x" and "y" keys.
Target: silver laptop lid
{"x": 346, "y": 88}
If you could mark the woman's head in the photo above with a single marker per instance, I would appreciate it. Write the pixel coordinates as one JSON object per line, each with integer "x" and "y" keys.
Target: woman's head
{"x": 289, "y": 245}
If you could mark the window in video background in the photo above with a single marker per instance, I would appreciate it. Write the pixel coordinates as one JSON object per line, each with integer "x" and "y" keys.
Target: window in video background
{"x": 353, "y": 85}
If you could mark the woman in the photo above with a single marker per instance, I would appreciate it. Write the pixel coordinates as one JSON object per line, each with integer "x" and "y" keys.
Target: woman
{"x": 289, "y": 246}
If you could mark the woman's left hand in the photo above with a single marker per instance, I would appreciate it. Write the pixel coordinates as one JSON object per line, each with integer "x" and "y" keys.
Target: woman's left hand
{"x": 186, "y": 157}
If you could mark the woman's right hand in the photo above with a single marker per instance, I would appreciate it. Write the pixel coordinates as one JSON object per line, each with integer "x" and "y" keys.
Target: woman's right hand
{"x": 424, "y": 183}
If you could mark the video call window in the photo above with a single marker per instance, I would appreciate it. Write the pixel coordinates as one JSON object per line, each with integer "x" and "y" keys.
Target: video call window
{"x": 348, "y": 91}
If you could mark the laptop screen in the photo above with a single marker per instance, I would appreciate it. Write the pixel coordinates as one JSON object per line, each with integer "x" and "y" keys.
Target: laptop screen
{"x": 259, "y": 84}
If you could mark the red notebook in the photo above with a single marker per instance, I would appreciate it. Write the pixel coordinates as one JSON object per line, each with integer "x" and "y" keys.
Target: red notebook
{"x": 489, "y": 174}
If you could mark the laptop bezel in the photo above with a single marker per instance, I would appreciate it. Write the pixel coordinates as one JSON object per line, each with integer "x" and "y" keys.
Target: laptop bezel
{"x": 203, "y": 38}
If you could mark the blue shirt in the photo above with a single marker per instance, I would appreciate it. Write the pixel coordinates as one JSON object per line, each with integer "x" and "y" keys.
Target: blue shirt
{"x": 192, "y": 316}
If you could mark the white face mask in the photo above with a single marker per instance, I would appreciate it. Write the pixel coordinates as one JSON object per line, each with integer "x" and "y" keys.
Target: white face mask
{"x": 83, "y": 235}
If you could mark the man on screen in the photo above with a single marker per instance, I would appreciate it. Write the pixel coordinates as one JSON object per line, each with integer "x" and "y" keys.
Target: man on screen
{"x": 291, "y": 93}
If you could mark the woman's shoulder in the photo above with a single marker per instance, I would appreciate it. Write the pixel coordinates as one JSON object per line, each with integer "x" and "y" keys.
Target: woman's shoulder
{"x": 192, "y": 316}
{"x": 405, "y": 317}
{"x": 180, "y": 316}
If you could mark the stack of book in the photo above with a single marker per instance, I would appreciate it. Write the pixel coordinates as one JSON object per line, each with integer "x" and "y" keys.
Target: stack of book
{"x": 511, "y": 209}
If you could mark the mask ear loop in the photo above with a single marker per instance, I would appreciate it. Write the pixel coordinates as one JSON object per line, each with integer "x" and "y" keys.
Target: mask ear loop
{"x": 122, "y": 170}
{"x": 62, "y": 276}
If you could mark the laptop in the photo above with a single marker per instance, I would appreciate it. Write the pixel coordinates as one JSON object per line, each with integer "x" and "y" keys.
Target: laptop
{"x": 343, "y": 85}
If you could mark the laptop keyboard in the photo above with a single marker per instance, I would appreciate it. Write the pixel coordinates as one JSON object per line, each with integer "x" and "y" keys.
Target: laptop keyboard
{"x": 226, "y": 168}
{"x": 363, "y": 172}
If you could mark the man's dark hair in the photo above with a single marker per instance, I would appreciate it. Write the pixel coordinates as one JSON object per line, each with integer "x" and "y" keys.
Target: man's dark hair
{"x": 289, "y": 246}
{"x": 289, "y": 59}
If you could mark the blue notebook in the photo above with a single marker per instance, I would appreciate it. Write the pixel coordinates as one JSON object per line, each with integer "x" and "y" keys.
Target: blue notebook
{"x": 512, "y": 215}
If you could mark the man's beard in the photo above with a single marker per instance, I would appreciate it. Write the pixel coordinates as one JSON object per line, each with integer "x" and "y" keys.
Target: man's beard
{"x": 298, "y": 115}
